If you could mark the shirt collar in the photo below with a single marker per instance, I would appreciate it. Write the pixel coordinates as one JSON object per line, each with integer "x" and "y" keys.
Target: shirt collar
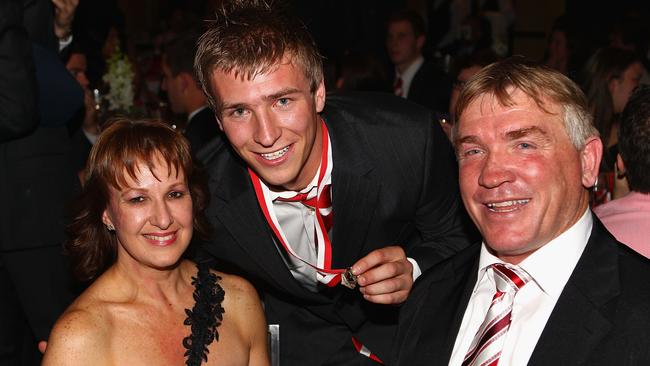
{"x": 410, "y": 71}
{"x": 194, "y": 113}
{"x": 562, "y": 253}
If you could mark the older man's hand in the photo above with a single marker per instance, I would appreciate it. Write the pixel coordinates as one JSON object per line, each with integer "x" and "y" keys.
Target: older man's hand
{"x": 385, "y": 276}
{"x": 63, "y": 16}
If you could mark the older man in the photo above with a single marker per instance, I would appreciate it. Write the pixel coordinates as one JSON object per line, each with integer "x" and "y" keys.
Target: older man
{"x": 549, "y": 285}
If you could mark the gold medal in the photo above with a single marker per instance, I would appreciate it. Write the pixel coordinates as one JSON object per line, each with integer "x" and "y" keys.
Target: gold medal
{"x": 348, "y": 279}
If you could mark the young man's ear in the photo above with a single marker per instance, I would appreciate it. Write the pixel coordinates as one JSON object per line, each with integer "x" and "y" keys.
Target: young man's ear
{"x": 319, "y": 96}
{"x": 216, "y": 117}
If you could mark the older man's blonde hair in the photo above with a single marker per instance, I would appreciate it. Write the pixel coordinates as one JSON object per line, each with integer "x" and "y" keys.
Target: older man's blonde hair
{"x": 541, "y": 84}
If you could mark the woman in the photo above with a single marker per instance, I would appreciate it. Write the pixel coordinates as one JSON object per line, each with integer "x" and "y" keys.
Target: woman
{"x": 611, "y": 75}
{"x": 148, "y": 306}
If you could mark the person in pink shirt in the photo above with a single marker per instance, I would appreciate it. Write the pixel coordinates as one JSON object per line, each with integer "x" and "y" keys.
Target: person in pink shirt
{"x": 628, "y": 217}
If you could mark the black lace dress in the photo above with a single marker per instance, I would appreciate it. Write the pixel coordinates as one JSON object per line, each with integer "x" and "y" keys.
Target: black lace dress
{"x": 205, "y": 316}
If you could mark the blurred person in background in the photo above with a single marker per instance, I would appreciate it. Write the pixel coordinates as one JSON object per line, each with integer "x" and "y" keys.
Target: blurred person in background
{"x": 414, "y": 77}
{"x": 362, "y": 72}
{"x": 463, "y": 68}
{"x": 628, "y": 217}
{"x": 183, "y": 91}
{"x": 610, "y": 77}
{"x": 37, "y": 175}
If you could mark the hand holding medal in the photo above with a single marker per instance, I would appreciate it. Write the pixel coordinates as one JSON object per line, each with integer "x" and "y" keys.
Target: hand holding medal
{"x": 384, "y": 276}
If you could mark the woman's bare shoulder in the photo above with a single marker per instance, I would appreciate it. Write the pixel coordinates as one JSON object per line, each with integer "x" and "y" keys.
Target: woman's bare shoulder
{"x": 238, "y": 290}
{"x": 82, "y": 332}
{"x": 243, "y": 306}
{"x": 78, "y": 337}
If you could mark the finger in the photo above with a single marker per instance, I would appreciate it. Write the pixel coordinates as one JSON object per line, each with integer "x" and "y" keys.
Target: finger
{"x": 394, "y": 284}
{"x": 377, "y": 257}
{"x": 392, "y": 298}
{"x": 42, "y": 345}
{"x": 383, "y": 272}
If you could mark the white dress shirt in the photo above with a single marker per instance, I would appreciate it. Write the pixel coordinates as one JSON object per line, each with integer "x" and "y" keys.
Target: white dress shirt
{"x": 550, "y": 268}
{"x": 297, "y": 223}
{"x": 408, "y": 74}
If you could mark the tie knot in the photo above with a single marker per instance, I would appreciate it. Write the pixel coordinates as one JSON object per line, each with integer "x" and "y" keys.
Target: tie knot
{"x": 397, "y": 86}
{"x": 509, "y": 278}
{"x": 310, "y": 199}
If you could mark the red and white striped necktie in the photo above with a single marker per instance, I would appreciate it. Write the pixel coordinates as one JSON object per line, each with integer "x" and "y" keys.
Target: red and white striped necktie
{"x": 397, "y": 87}
{"x": 486, "y": 347}
{"x": 322, "y": 203}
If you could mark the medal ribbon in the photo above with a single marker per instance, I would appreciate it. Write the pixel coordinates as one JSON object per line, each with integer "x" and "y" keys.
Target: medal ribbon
{"x": 324, "y": 271}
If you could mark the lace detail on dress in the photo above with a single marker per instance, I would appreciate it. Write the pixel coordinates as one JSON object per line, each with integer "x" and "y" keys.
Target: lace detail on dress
{"x": 205, "y": 316}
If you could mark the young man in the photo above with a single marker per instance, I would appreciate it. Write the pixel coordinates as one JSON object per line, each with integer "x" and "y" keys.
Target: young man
{"x": 549, "y": 285}
{"x": 414, "y": 78}
{"x": 378, "y": 179}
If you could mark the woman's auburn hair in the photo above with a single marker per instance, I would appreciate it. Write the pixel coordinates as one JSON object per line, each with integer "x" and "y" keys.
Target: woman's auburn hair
{"x": 123, "y": 148}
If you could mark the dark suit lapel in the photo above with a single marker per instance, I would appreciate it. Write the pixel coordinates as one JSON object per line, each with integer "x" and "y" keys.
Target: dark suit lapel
{"x": 354, "y": 194}
{"x": 430, "y": 338}
{"x": 237, "y": 208}
{"x": 581, "y": 318}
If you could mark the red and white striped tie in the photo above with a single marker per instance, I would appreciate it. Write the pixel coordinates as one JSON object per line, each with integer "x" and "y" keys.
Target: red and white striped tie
{"x": 323, "y": 203}
{"x": 486, "y": 347}
{"x": 397, "y": 87}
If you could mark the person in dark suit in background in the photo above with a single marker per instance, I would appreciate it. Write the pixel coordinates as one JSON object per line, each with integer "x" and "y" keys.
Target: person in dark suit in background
{"x": 36, "y": 175}
{"x": 414, "y": 77}
{"x": 18, "y": 89}
{"x": 378, "y": 181}
{"x": 549, "y": 285}
{"x": 84, "y": 127}
{"x": 184, "y": 92}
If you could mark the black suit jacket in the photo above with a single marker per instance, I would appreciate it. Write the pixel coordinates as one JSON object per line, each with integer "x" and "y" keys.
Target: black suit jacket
{"x": 37, "y": 179}
{"x": 18, "y": 82}
{"x": 601, "y": 318}
{"x": 430, "y": 87}
{"x": 394, "y": 181}
{"x": 201, "y": 129}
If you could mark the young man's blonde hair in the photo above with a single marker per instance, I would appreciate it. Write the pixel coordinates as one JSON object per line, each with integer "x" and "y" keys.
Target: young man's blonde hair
{"x": 251, "y": 38}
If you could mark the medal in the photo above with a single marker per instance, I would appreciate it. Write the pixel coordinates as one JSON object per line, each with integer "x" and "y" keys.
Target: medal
{"x": 348, "y": 279}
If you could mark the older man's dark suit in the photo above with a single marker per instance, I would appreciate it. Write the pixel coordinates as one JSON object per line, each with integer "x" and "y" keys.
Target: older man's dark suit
{"x": 601, "y": 318}
{"x": 393, "y": 182}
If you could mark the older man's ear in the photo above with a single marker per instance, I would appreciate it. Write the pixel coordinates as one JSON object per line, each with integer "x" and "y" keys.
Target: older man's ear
{"x": 590, "y": 158}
